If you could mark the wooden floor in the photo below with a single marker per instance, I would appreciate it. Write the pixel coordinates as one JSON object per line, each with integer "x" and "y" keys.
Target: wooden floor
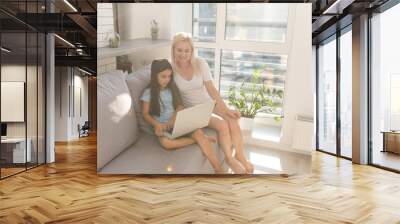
{"x": 70, "y": 191}
{"x": 387, "y": 159}
{"x": 10, "y": 171}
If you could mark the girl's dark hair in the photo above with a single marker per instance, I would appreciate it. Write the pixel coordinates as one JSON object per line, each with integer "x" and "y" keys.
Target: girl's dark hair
{"x": 158, "y": 66}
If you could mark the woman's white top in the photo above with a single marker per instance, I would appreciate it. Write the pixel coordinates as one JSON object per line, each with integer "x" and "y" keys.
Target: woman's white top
{"x": 194, "y": 92}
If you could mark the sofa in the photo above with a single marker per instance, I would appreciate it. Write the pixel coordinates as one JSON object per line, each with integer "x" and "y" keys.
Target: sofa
{"x": 125, "y": 142}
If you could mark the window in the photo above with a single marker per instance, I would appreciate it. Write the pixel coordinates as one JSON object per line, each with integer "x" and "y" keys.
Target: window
{"x": 207, "y": 54}
{"x": 232, "y": 38}
{"x": 327, "y": 96}
{"x": 204, "y": 21}
{"x": 394, "y": 101}
{"x": 257, "y": 22}
{"x": 238, "y": 67}
{"x": 385, "y": 87}
{"x": 22, "y": 66}
{"x": 346, "y": 94}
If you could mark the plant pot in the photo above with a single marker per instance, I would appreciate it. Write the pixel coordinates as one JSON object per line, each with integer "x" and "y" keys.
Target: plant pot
{"x": 154, "y": 34}
{"x": 269, "y": 121}
{"x": 246, "y": 124}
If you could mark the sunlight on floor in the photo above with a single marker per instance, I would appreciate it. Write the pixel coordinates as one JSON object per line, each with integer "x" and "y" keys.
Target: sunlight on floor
{"x": 268, "y": 133}
{"x": 265, "y": 161}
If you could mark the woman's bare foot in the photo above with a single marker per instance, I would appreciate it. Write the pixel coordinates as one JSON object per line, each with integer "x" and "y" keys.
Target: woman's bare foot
{"x": 246, "y": 163}
{"x": 249, "y": 167}
{"x": 236, "y": 166}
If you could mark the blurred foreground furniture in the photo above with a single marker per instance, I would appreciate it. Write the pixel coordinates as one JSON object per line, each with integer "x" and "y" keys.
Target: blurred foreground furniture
{"x": 391, "y": 141}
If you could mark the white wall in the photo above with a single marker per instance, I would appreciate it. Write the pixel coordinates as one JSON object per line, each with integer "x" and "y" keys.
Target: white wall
{"x": 80, "y": 118}
{"x": 62, "y": 80}
{"x": 33, "y": 127}
{"x": 134, "y": 22}
{"x": 66, "y": 120}
{"x": 17, "y": 73}
{"x": 105, "y": 23}
{"x": 180, "y": 11}
{"x": 134, "y": 19}
{"x": 299, "y": 83}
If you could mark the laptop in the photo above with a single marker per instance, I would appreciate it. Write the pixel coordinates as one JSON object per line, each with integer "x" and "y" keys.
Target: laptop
{"x": 190, "y": 119}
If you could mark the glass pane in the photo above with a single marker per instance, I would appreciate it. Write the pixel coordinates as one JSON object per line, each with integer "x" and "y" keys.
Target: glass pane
{"x": 346, "y": 94}
{"x": 386, "y": 89}
{"x": 261, "y": 77}
{"x": 204, "y": 21}
{"x": 327, "y": 96}
{"x": 207, "y": 54}
{"x": 257, "y": 22}
{"x": 394, "y": 101}
{"x": 13, "y": 87}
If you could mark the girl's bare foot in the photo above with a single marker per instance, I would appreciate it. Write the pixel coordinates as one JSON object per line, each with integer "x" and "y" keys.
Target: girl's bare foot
{"x": 246, "y": 163}
{"x": 236, "y": 166}
{"x": 219, "y": 170}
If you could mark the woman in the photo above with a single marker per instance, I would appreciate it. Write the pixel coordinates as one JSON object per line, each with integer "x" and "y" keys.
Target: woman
{"x": 192, "y": 76}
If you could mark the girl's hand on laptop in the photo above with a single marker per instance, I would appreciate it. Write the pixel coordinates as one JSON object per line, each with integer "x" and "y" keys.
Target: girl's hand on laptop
{"x": 164, "y": 127}
{"x": 159, "y": 130}
{"x": 170, "y": 123}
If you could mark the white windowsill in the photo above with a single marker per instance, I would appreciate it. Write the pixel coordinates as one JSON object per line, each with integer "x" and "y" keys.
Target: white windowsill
{"x": 131, "y": 46}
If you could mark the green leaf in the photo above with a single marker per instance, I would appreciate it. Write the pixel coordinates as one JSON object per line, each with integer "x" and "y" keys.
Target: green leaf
{"x": 251, "y": 97}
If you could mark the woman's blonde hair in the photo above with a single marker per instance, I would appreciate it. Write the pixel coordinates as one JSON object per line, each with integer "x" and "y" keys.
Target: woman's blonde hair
{"x": 194, "y": 61}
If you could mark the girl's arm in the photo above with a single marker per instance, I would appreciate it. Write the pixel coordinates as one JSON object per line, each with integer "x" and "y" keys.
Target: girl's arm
{"x": 158, "y": 128}
{"x": 220, "y": 104}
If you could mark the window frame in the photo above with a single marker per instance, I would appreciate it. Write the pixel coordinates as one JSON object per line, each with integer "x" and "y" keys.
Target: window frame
{"x": 274, "y": 48}
{"x": 334, "y": 37}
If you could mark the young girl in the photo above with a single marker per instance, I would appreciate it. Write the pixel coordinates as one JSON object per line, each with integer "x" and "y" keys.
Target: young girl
{"x": 161, "y": 101}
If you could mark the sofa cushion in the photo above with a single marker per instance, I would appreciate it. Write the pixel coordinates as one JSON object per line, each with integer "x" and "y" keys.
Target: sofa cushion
{"x": 137, "y": 83}
{"x": 117, "y": 124}
{"x": 147, "y": 156}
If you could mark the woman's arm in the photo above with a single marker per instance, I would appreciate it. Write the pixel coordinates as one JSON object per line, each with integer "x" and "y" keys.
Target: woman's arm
{"x": 158, "y": 127}
{"x": 213, "y": 92}
{"x": 220, "y": 104}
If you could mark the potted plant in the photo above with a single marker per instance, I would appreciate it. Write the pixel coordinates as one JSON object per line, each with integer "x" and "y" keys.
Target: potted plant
{"x": 270, "y": 116}
{"x": 251, "y": 98}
